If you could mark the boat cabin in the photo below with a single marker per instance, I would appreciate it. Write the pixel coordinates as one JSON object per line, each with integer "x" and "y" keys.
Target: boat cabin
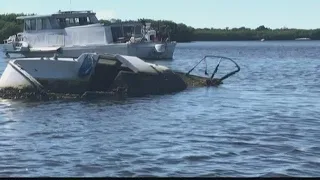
{"x": 60, "y": 20}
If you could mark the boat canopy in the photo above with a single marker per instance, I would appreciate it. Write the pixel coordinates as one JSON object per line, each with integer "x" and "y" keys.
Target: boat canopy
{"x": 60, "y": 14}
{"x": 59, "y": 20}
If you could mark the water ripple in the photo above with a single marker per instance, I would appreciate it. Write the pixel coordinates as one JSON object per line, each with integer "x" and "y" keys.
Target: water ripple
{"x": 262, "y": 122}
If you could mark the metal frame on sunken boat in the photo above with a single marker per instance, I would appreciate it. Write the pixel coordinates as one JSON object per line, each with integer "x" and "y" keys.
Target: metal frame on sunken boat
{"x": 97, "y": 75}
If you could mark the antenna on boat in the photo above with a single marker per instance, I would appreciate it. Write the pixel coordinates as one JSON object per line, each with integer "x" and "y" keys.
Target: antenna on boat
{"x": 70, "y": 6}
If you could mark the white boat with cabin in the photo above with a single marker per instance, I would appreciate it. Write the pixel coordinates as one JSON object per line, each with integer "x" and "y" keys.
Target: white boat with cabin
{"x": 72, "y": 33}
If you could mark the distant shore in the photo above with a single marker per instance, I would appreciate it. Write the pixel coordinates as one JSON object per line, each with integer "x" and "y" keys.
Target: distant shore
{"x": 234, "y": 41}
{"x": 183, "y": 33}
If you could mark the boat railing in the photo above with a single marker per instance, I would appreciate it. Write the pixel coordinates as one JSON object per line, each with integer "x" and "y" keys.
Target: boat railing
{"x": 221, "y": 58}
{"x": 13, "y": 39}
{"x": 75, "y": 12}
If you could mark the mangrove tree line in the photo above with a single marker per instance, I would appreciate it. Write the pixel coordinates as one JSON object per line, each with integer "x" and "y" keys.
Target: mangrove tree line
{"x": 180, "y": 32}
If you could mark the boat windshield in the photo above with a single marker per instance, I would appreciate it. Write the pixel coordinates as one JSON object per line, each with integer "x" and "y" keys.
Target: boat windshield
{"x": 69, "y": 22}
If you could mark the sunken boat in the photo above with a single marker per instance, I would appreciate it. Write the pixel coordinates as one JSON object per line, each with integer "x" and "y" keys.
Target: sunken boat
{"x": 96, "y": 75}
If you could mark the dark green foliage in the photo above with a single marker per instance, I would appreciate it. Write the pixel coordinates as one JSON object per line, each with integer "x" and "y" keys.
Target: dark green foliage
{"x": 241, "y": 34}
{"x": 178, "y": 32}
{"x": 9, "y": 25}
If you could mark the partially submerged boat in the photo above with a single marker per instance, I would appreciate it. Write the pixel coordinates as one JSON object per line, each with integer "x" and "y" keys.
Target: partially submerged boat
{"x": 71, "y": 33}
{"x": 95, "y": 74}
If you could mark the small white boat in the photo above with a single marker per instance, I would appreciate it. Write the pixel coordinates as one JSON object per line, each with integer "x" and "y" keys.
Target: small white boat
{"x": 71, "y": 33}
{"x": 302, "y": 39}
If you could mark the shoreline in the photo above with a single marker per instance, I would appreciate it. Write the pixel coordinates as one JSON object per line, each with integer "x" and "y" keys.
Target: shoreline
{"x": 195, "y": 41}
{"x": 183, "y": 33}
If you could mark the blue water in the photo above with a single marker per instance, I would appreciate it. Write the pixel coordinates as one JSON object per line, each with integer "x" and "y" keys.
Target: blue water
{"x": 264, "y": 121}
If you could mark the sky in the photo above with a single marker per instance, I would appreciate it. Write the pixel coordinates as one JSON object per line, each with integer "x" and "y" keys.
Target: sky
{"x": 302, "y": 14}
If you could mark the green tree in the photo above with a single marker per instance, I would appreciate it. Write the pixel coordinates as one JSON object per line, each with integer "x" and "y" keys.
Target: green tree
{"x": 180, "y": 32}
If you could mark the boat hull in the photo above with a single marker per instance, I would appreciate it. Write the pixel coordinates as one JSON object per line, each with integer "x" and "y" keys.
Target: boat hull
{"x": 53, "y": 75}
{"x": 12, "y": 78}
{"x": 8, "y": 47}
{"x": 90, "y": 73}
{"x": 146, "y": 51}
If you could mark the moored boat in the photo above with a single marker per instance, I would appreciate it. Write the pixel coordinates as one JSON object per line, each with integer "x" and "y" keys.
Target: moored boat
{"x": 71, "y": 33}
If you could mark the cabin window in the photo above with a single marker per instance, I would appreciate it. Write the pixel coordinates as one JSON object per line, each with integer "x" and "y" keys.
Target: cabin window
{"x": 30, "y": 24}
{"x": 84, "y": 20}
{"x": 27, "y": 25}
{"x": 70, "y": 21}
{"x": 39, "y": 24}
{"x": 67, "y": 22}
{"x": 62, "y": 23}
{"x": 128, "y": 32}
{"x": 53, "y": 23}
{"x": 76, "y": 20}
{"x": 33, "y": 24}
{"x": 43, "y": 23}
{"x": 116, "y": 33}
{"x": 137, "y": 30}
